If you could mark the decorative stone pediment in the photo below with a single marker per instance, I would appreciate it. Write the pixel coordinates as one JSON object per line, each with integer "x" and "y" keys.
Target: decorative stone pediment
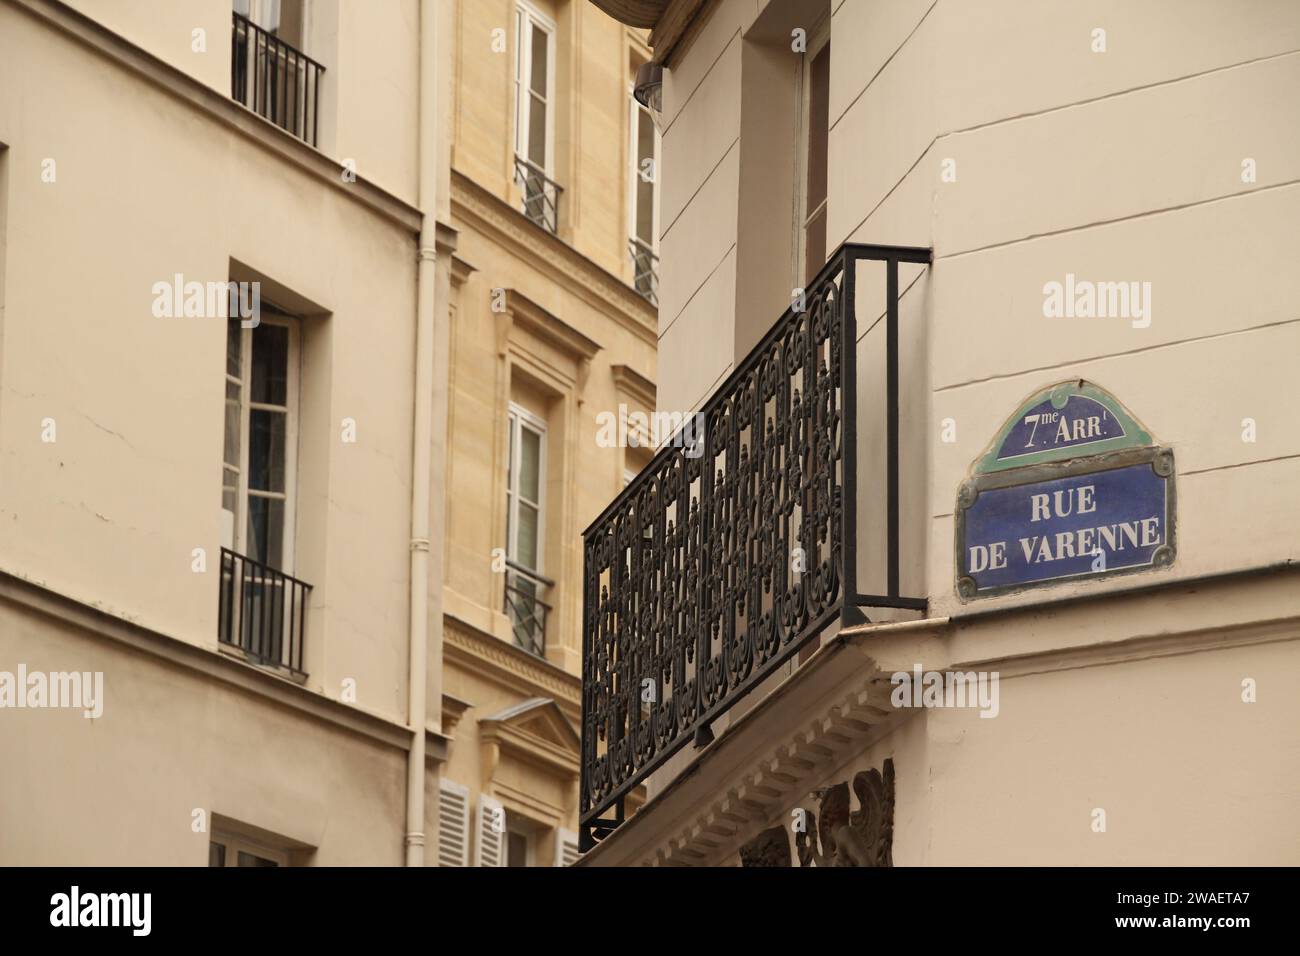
{"x": 534, "y": 732}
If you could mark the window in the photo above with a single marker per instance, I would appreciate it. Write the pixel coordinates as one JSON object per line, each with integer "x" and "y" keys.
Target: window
{"x": 816, "y": 73}
{"x": 230, "y": 850}
{"x": 525, "y": 491}
{"x": 259, "y": 461}
{"x": 643, "y": 205}
{"x": 534, "y": 115}
{"x": 518, "y": 849}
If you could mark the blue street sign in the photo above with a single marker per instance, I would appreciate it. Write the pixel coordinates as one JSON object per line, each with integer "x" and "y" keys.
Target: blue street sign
{"x": 1097, "y": 516}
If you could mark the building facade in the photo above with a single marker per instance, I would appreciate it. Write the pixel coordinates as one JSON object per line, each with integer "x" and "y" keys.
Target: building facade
{"x": 270, "y": 235}
{"x": 988, "y": 553}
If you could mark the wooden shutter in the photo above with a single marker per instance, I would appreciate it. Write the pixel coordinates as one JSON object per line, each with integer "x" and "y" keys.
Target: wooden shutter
{"x": 566, "y": 848}
{"x": 453, "y": 824}
{"x": 489, "y": 843}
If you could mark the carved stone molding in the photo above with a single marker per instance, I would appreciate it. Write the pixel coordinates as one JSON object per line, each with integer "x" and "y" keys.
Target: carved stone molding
{"x": 862, "y": 837}
{"x": 771, "y": 848}
{"x": 510, "y": 664}
{"x": 580, "y": 275}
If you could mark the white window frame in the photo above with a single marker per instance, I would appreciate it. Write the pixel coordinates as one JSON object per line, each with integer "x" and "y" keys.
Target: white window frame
{"x": 818, "y": 37}
{"x": 238, "y": 542}
{"x": 518, "y": 419}
{"x": 634, "y": 151}
{"x": 527, "y": 19}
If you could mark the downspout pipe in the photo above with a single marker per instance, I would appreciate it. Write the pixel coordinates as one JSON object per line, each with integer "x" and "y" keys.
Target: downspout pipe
{"x": 422, "y": 435}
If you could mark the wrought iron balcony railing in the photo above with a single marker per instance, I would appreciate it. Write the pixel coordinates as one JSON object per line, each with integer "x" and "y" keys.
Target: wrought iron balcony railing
{"x": 541, "y": 194}
{"x": 274, "y": 80}
{"x": 645, "y": 268}
{"x": 262, "y": 612}
{"x": 737, "y": 544}
{"x": 525, "y": 608}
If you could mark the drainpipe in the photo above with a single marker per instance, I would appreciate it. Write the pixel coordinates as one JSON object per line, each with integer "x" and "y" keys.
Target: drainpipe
{"x": 422, "y": 435}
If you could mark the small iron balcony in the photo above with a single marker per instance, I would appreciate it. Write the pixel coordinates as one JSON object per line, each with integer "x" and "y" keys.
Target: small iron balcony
{"x": 541, "y": 194}
{"x": 274, "y": 80}
{"x": 737, "y": 544}
{"x": 525, "y": 608}
{"x": 263, "y": 612}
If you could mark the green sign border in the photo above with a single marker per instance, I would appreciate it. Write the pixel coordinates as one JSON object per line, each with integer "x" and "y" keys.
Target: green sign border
{"x": 1135, "y": 436}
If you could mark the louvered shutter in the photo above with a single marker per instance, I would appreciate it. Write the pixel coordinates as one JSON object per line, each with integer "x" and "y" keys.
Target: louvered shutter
{"x": 453, "y": 824}
{"x": 566, "y": 848}
{"x": 489, "y": 833}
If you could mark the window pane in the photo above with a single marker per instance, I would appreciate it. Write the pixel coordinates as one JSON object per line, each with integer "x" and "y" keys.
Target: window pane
{"x": 249, "y": 859}
{"x": 526, "y": 540}
{"x": 270, "y": 364}
{"x": 516, "y": 850}
{"x": 537, "y": 132}
{"x": 819, "y": 75}
{"x": 230, "y": 451}
{"x": 266, "y": 450}
{"x": 645, "y": 191}
{"x": 530, "y": 456}
{"x": 229, "y": 489}
{"x": 216, "y": 854}
{"x": 539, "y": 62}
{"x": 266, "y": 530}
{"x": 234, "y": 364}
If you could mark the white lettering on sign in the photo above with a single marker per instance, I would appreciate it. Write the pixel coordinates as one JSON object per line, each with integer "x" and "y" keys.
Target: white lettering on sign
{"x": 1078, "y": 543}
{"x": 1067, "y": 429}
{"x": 1081, "y": 498}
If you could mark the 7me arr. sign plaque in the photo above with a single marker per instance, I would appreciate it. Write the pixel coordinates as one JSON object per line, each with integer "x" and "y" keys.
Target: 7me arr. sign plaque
{"x": 1072, "y": 488}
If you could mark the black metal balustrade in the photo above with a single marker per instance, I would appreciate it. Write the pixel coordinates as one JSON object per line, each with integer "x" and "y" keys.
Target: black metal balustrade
{"x": 274, "y": 80}
{"x": 541, "y": 194}
{"x": 737, "y": 544}
{"x": 525, "y": 608}
{"x": 262, "y": 612}
{"x": 645, "y": 268}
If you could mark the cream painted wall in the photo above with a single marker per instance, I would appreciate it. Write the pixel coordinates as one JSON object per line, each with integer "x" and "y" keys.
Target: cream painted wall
{"x": 121, "y": 789}
{"x": 1115, "y": 166}
{"x": 110, "y": 512}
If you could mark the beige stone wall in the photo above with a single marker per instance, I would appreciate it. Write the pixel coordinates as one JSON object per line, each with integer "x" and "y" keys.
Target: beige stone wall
{"x": 549, "y": 322}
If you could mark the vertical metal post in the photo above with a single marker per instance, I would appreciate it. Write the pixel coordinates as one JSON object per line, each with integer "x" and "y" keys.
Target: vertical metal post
{"x": 891, "y": 385}
{"x": 849, "y": 611}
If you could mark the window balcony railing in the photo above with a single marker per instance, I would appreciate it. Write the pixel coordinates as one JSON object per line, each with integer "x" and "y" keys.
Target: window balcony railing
{"x": 645, "y": 270}
{"x": 525, "y": 607}
{"x": 262, "y": 612}
{"x": 274, "y": 80}
{"x": 541, "y": 194}
{"x": 735, "y": 548}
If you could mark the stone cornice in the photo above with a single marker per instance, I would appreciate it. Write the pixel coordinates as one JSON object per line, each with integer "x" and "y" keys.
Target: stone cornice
{"x": 210, "y": 663}
{"x": 465, "y": 645}
{"x": 579, "y": 275}
{"x": 223, "y": 110}
{"x": 633, "y": 384}
{"x": 549, "y": 328}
